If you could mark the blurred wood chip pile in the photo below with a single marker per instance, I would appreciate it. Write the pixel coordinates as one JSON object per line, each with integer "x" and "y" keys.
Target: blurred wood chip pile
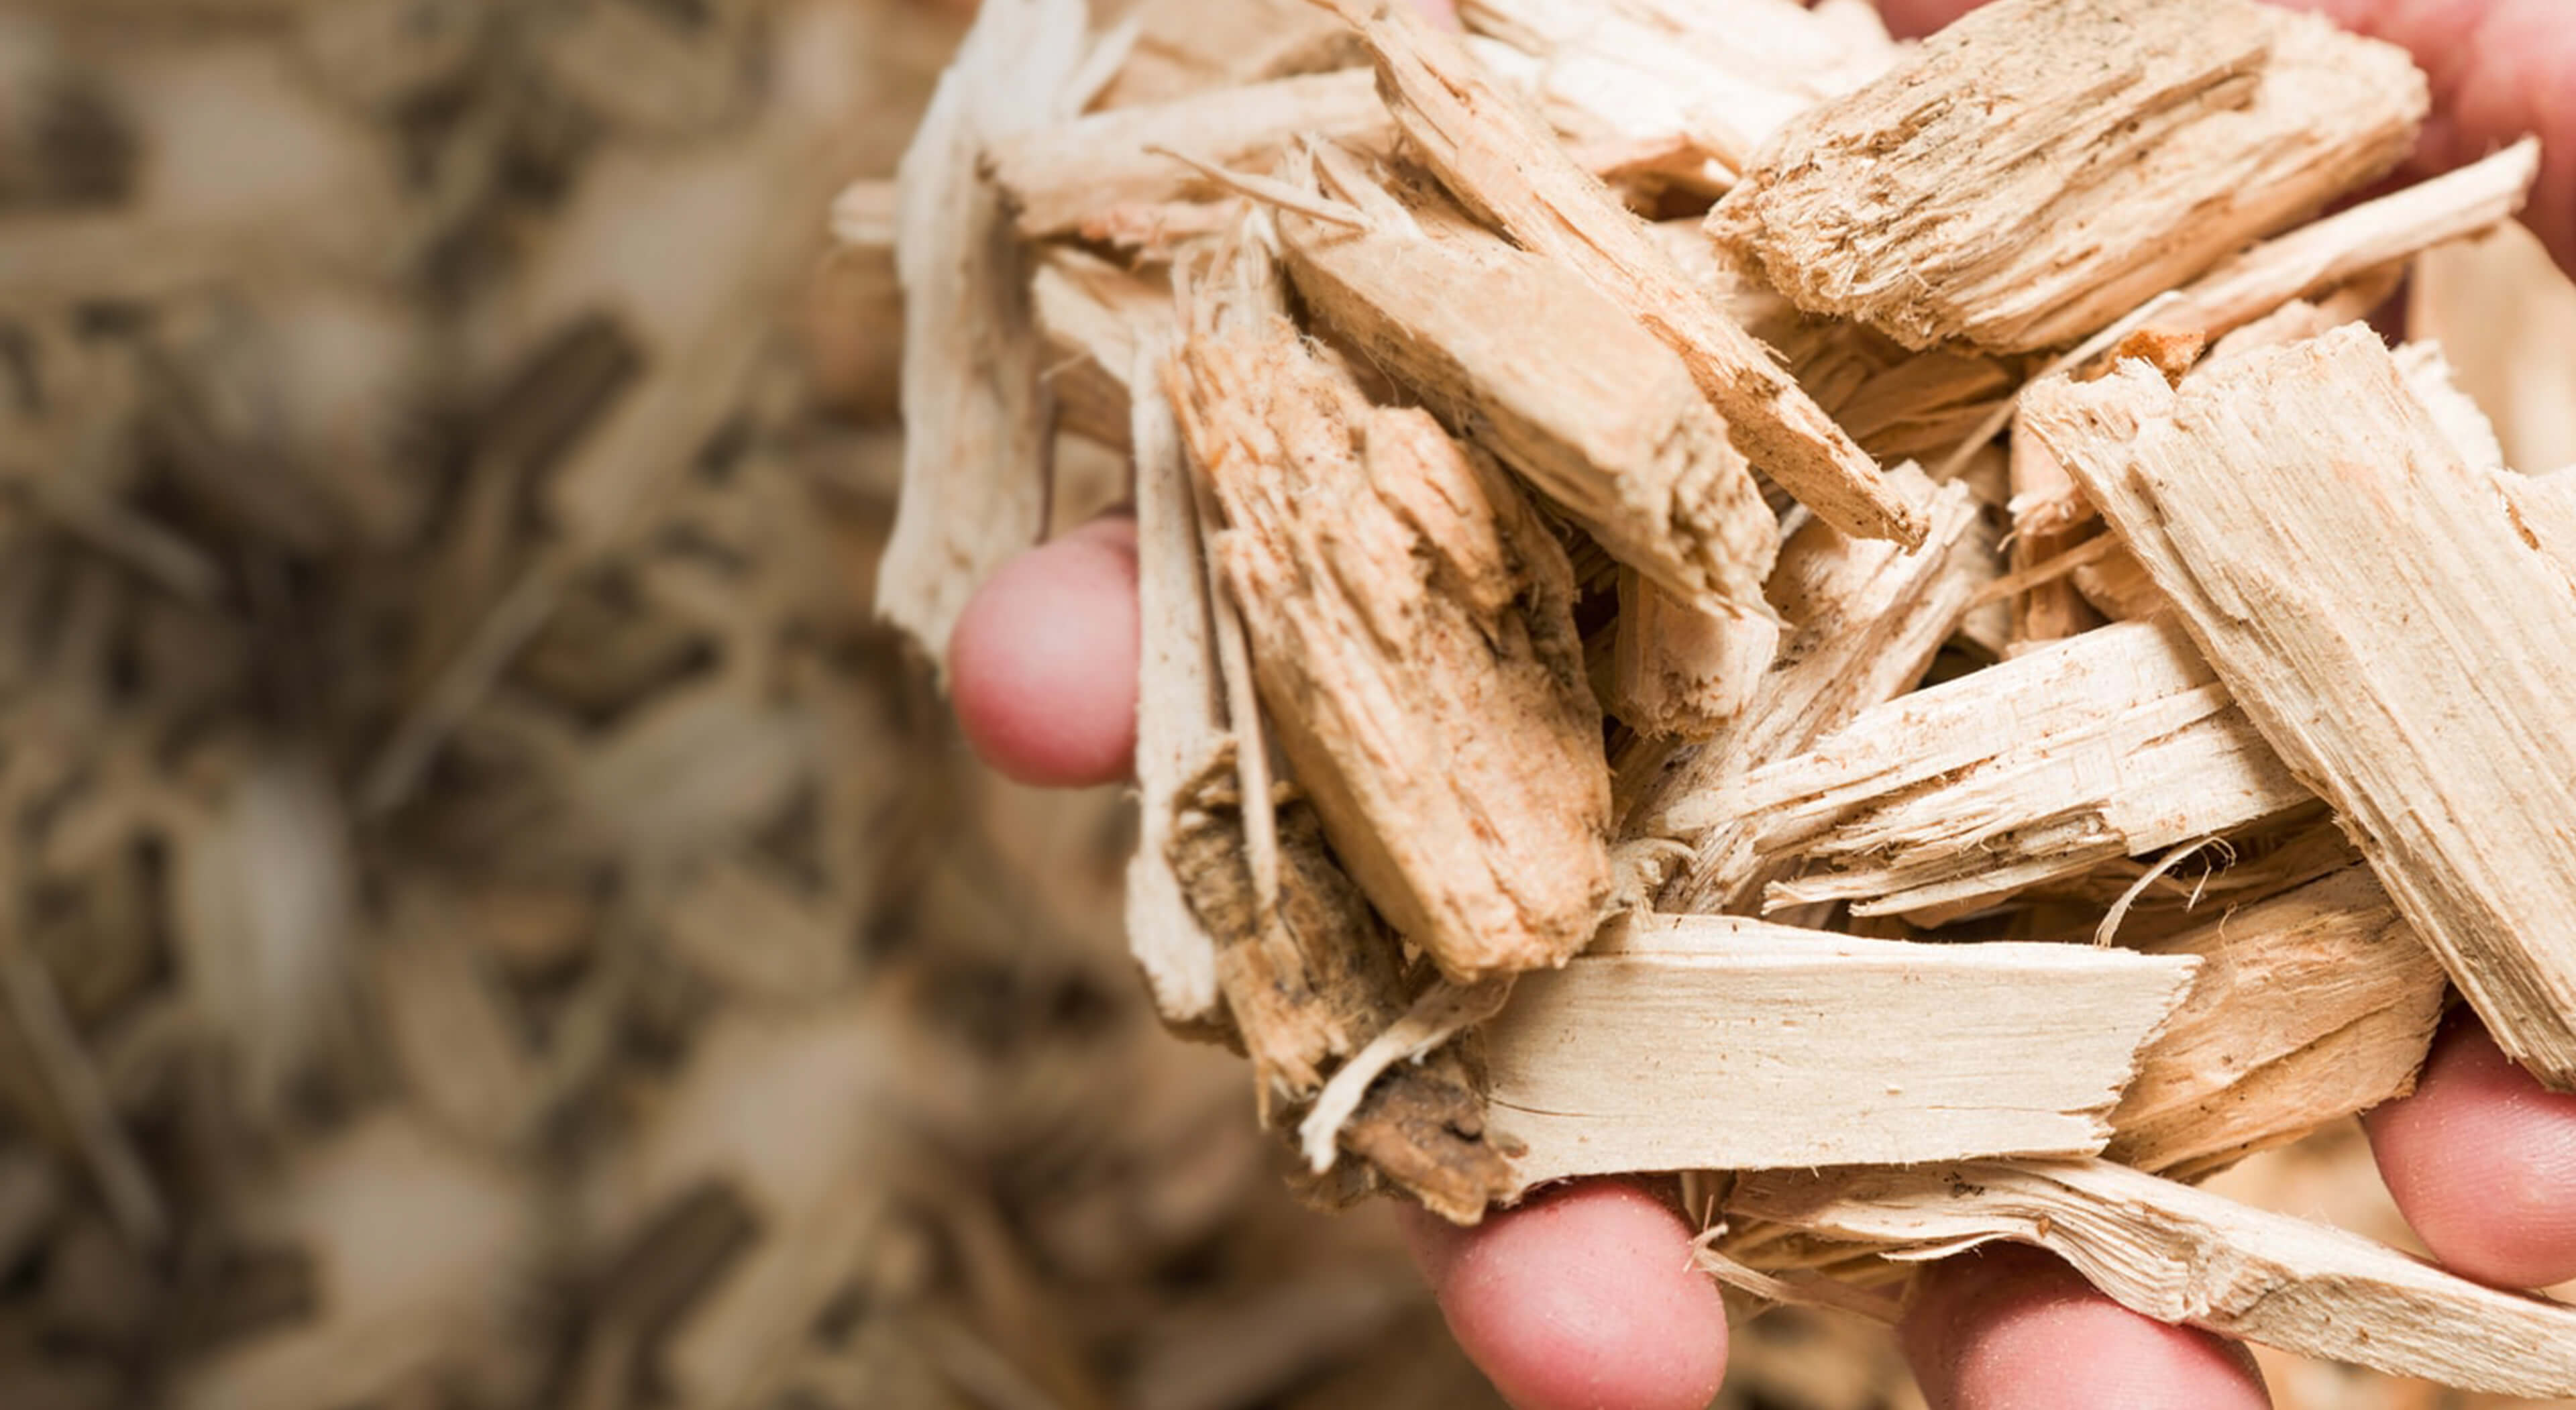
{"x": 1687, "y": 549}
{"x": 489, "y": 920}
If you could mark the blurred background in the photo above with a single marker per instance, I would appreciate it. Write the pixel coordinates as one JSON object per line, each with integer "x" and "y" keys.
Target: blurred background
{"x": 489, "y": 920}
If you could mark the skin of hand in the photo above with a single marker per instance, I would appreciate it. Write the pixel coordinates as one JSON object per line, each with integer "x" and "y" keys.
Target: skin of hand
{"x": 1584, "y": 1297}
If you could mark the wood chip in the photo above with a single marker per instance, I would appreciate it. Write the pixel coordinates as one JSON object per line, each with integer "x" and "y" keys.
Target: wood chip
{"x": 1427, "y": 685}
{"x": 2119, "y": 742}
{"x": 2043, "y": 166}
{"x": 1709, "y": 1042}
{"x": 1502, "y": 163}
{"x": 2410, "y": 670}
{"x": 2309, "y": 1007}
{"x": 1073, "y": 177}
{"x": 974, "y": 410}
{"x": 1601, "y": 418}
{"x": 1680, "y": 672}
{"x": 1865, "y": 618}
{"x": 2177, "y": 1254}
{"x": 1313, "y": 984}
{"x": 1180, "y": 723}
{"x": 2344, "y": 246}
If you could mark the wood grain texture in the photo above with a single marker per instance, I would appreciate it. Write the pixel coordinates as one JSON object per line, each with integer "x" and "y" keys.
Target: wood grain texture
{"x": 2386, "y": 623}
{"x": 1598, "y": 415}
{"x": 1180, "y": 712}
{"x": 1411, "y": 630}
{"x": 1864, "y": 619}
{"x": 1075, "y": 178}
{"x": 2044, "y": 166}
{"x": 1501, "y": 161}
{"x": 1310, "y": 981}
{"x": 2177, "y": 1254}
{"x": 1719, "y": 1043}
{"x": 2309, "y": 1006}
{"x": 2118, "y": 742}
{"x": 975, "y": 413}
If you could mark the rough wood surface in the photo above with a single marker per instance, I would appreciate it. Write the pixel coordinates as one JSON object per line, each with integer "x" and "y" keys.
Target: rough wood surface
{"x": 1501, "y": 161}
{"x": 1899, "y": 404}
{"x": 1711, "y": 82}
{"x": 2119, "y": 742}
{"x": 1310, "y": 981}
{"x": 1864, "y": 619}
{"x": 2309, "y": 1006}
{"x": 1185, "y": 47}
{"x": 1718, "y": 1043}
{"x": 1180, "y": 715}
{"x": 1598, "y": 415}
{"x": 975, "y": 412}
{"x": 2044, "y": 166}
{"x": 2344, "y": 246}
{"x": 1682, "y": 672}
{"x": 2372, "y": 604}
{"x": 1412, "y": 634}
{"x": 2048, "y": 611}
{"x": 1075, "y": 178}
{"x": 1096, "y": 316}
{"x": 2177, "y": 1254}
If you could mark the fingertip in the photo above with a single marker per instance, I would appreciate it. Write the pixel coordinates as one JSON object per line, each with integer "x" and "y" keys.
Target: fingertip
{"x": 1583, "y": 1297}
{"x": 2482, "y": 1162}
{"x": 2007, "y": 1327}
{"x": 1913, "y": 19}
{"x": 1042, "y": 666}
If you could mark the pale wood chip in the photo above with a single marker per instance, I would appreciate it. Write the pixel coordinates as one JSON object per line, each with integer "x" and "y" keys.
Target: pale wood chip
{"x": 1412, "y": 634}
{"x": 1713, "y": 1042}
{"x": 2310, "y": 1006}
{"x": 974, "y": 409}
{"x": 1501, "y": 161}
{"x": 1864, "y": 619}
{"x": 2045, "y": 165}
{"x": 1598, "y": 416}
{"x": 2371, "y": 602}
{"x": 2118, "y": 742}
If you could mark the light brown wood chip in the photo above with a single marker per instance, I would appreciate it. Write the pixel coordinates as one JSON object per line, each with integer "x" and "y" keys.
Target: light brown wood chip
{"x": 2119, "y": 742}
{"x": 1865, "y": 618}
{"x": 1712, "y": 1042}
{"x": 1412, "y": 633}
{"x": 975, "y": 414}
{"x": 1597, "y": 415}
{"x": 1502, "y": 162}
{"x": 1072, "y": 177}
{"x": 2310, "y": 1006}
{"x": 2044, "y": 166}
{"x": 2178, "y": 1254}
{"x": 2346, "y": 245}
{"x": 1180, "y": 721}
{"x": 2383, "y": 618}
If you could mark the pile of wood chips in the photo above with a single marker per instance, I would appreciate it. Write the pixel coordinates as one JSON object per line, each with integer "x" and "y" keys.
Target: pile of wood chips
{"x": 1579, "y": 734}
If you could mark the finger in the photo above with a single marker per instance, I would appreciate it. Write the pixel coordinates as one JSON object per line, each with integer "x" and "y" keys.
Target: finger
{"x": 1913, "y": 19}
{"x": 1042, "y": 666}
{"x": 2482, "y": 1162}
{"x": 2500, "y": 69}
{"x": 1583, "y": 1297}
{"x": 2007, "y": 1327}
